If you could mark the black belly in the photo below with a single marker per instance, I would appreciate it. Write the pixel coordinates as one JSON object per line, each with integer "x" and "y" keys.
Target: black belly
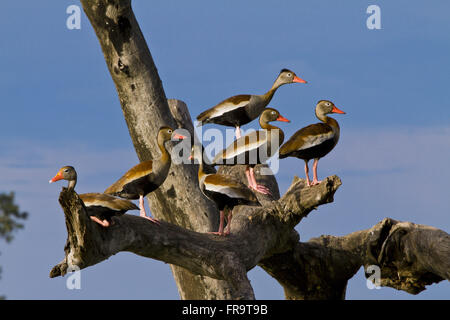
{"x": 222, "y": 200}
{"x": 233, "y": 118}
{"x": 103, "y": 213}
{"x": 134, "y": 189}
{"x": 318, "y": 151}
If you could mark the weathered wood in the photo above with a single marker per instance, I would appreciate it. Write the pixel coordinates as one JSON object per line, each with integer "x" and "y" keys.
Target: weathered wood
{"x": 410, "y": 256}
{"x": 257, "y": 232}
{"x": 145, "y": 109}
{"x": 211, "y": 267}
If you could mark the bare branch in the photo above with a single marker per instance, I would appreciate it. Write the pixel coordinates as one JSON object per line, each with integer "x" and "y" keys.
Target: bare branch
{"x": 210, "y": 267}
{"x": 145, "y": 109}
{"x": 410, "y": 257}
{"x": 217, "y": 257}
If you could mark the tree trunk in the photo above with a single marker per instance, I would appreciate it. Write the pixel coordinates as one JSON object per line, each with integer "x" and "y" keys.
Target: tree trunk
{"x": 210, "y": 267}
{"x": 146, "y": 109}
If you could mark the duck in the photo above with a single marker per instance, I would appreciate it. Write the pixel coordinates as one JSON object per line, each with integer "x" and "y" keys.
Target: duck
{"x": 255, "y": 148}
{"x": 147, "y": 176}
{"x": 242, "y": 109}
{"x": 314, "y": 141}
{"x": 99, "y": 206}
{"x": 225, "y": 190}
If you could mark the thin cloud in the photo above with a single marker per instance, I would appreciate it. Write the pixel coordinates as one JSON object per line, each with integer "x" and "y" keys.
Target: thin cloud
{"x": 389, "y": 149}
{"x": 26, "y": 166}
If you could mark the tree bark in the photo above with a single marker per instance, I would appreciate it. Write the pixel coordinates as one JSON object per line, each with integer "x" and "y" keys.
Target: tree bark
{"x": 145, "y": 109}
{"x": 210, "y": 267}
{"x": 257, "y": 232}
{"x": 410, "y": 256}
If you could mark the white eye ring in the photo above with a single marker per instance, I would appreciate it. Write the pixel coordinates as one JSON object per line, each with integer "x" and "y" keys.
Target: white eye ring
{"x": 170, "y": 131}
{"x": 289, "y": 74}
{"x": 328, "y": 104}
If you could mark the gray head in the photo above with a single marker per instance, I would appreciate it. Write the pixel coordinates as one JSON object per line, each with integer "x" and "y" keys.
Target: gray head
{"x": 288, "y": 76}
{"x": 166, "y": 134}
{"x": 325, "y": 107}
{"x": 66, "y": 173}
{"x": 271, "y": 114}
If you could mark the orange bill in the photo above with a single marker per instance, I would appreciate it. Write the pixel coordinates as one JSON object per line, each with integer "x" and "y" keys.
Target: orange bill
{"x": 298, "y": 80}
{"x": 281, "y": 118}
{"x": 178, "y": 136}
{"x": 336, "y": 110}
{"x": 56, "y": 178}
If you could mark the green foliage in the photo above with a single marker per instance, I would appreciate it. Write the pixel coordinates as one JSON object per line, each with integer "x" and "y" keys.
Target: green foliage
{"x": 9, "y": 216}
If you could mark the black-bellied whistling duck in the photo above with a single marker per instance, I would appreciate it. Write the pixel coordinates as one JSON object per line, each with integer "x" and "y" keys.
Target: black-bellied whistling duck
{"x": 254, "y": 148}
{"x": 241, "y": 109}
{"x": 225, "y": 190}
{"x": 100, "y": 207}
{"x": 147, "y": 176}
{"x": 315, "y": 140}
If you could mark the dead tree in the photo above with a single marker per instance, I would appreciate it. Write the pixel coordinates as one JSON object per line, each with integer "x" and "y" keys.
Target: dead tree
{"x": 206, "y": 266}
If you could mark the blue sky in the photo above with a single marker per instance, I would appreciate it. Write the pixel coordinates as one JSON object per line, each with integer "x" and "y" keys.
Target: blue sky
{"x": 60, "y": 107}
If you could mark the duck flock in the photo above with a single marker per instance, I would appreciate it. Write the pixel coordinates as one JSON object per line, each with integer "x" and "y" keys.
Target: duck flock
{"x": 311, "y": 142}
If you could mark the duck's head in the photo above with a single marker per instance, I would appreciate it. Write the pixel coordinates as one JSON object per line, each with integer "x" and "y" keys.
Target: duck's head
{"x": 270, "y": 114}
{"x": 66, "y": 173}
{"x": 288, "y": 76}
{"x": 167, "y": 133}
{"x": 325, "y": 107}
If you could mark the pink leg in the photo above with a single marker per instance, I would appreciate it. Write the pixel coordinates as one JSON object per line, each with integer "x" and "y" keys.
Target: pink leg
{"x": 228, "y": 228}
{"x": 315, "y": 180}
{"x": 143, "y": 214}
{"x": 257, "y": 187}
{"x": 222, "y": 217}
{"x": 103, "y": 223}
{"x": 238, "y": 132}
{"x": 249, "y": 178}
{"x": 308, "y": 182}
